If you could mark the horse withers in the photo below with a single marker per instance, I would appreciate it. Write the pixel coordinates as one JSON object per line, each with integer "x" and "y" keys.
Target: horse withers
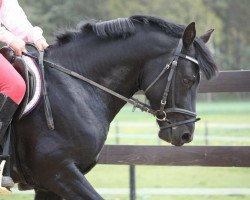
{"x": 124, "y": 55}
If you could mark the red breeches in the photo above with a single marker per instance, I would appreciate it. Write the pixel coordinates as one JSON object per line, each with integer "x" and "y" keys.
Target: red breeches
{"x": 11, "y": 83}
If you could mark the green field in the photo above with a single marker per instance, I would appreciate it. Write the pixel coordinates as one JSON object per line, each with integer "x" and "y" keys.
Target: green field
{"x": 229, "y": 120}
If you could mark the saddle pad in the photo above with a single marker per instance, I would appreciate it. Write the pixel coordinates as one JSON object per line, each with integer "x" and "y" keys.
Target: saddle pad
{"x": 34, "y": 71}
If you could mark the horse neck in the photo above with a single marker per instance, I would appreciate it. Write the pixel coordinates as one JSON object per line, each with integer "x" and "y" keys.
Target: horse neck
{"x": 116, "y": 72}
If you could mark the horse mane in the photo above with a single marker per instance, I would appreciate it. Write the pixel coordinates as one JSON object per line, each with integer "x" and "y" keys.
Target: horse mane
{"x": 119, "y": 28}
{"x": 206, "y": 61}
{"x": 116, "y": 28}
{"x": 125, "y": 27}
{"x": 172, "y": 29}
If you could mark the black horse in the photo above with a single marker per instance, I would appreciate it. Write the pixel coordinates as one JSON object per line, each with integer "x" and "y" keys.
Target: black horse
{"x": 125, "y": 55}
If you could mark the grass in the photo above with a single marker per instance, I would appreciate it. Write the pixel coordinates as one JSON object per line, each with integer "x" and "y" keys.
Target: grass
{"x": 145, "y": 197}
{"x": 171, "y": 177}
{"x": 224, "y": 112}
{"x": 17, "y": 197}
{"x": 108, "y": 176}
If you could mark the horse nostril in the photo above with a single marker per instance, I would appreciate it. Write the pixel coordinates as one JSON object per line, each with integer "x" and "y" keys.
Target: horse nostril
{"x": 186, "y": 137}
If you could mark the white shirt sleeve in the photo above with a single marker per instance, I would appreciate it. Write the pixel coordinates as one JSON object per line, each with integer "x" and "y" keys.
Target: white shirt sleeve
{"x": 15, "y": 20}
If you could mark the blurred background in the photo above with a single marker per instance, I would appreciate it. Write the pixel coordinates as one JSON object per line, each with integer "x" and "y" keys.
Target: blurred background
{"x": 230, "y": 44}
{"x": 225, "y": 116}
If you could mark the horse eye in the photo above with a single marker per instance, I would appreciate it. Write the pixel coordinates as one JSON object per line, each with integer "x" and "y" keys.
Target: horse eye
{"x": 187, "y": 81}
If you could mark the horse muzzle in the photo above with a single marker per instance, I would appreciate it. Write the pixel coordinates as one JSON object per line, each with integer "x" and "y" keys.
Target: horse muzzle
{"x": 178, "y": 133}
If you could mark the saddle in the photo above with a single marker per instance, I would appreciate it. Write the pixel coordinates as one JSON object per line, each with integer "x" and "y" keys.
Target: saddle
{"x": 30, "y": 73}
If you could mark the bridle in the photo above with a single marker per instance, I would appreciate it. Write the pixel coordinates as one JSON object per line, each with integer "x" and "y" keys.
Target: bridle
{"x": 161, "y": 114}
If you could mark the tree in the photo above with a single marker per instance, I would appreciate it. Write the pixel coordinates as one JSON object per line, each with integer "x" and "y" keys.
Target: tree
{"x": 181, "y": 11}
{"x": 53, "y": 15}
{"x": 235, "y": 42}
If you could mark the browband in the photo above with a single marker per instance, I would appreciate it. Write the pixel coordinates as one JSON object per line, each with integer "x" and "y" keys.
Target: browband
{"x": 188, "y": 58}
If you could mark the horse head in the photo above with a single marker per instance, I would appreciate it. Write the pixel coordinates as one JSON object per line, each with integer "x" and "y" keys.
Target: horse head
{"x": 173, "y": 92}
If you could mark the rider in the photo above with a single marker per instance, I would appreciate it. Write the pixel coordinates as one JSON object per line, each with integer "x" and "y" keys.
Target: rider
{"x": 16, "y": 32}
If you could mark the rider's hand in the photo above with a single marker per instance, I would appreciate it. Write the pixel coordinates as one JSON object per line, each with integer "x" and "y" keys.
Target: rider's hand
{"x": 18, "y": 45}
{"x": 41, "y": 44}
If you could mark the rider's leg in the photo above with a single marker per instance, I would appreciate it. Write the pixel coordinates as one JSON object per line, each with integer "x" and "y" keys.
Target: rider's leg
{"x": 12, "y": 84}
{"x": 12, "y": 90}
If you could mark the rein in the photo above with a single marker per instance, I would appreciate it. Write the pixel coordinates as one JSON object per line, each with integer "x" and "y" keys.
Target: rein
{"x": 161, "y": 114}
{"x": 135, "y": 102}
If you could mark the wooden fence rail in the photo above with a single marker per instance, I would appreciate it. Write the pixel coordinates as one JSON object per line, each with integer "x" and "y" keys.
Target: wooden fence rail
{"x": 220, "y": 156}
{"x": 212, "y": 156}
{"x": 227, "y": 81}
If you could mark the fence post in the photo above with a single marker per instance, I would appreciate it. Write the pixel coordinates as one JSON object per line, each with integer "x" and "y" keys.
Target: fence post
{"x": 206, "y": 133}
{"x": 132, "y": 182}
{"x": 117, "y": 131}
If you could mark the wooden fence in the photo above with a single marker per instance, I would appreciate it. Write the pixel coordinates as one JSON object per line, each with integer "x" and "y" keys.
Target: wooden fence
{"x": 222, "y": 156}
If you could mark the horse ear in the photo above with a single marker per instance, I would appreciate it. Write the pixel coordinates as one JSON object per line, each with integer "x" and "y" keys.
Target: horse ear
{"x": 189, "y": 35}
{"x": 207, "y": 35}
